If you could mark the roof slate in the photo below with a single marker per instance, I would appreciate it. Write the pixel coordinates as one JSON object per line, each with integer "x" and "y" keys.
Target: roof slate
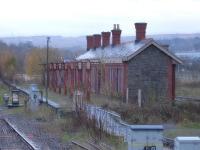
{"x": 122, "y": 52}
{"x": 118, "y": 51}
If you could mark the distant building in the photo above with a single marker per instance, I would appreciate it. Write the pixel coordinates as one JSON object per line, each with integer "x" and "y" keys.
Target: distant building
{"x": 119, "y": 69}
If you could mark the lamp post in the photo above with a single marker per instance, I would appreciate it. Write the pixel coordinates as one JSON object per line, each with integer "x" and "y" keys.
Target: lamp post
{"x": 47, "y": 69}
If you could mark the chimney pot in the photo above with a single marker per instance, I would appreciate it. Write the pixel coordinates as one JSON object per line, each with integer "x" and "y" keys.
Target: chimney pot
{"x": 114, "y": 27}
{"x": 140, "y": 31}
{"x": 116, "y": 35}
{"x": 118, "y": 27}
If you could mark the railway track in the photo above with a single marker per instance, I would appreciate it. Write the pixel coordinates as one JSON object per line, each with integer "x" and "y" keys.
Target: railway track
{"x": 90, "y": 145}
{"x": 11, "y": 139}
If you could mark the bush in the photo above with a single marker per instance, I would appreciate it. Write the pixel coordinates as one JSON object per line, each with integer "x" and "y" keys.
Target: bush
{"x": 159, "y": 113}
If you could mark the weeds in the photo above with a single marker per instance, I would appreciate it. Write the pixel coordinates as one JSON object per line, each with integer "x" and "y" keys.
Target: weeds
{"x": 160, "y": 113}
{"x": 188, "y": 88}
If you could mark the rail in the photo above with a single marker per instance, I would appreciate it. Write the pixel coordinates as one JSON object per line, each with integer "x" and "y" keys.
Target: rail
{"x": 80, "y": 145}
{"x": 90, "y": 145}
{"x": 27, "y": 142}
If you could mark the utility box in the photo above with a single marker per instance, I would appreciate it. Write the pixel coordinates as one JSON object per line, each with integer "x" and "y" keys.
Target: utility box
{"x": 187, "y": 143}
{"x": 146, "y": 137}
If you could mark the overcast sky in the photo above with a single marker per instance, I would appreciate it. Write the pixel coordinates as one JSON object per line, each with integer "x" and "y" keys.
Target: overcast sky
{"x": 81, "y": 17}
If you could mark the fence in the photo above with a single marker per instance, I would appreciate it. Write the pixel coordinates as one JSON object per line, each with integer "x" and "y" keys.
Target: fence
{"x": 111, "y": 123}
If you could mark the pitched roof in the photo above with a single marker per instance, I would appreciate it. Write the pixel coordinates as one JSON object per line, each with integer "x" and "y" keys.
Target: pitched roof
{"x": 187, "y": 139}
{"x": 124, "y": 51}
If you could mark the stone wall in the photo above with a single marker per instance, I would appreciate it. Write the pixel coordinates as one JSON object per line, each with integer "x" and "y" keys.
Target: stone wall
{"x": 148, "y": 71}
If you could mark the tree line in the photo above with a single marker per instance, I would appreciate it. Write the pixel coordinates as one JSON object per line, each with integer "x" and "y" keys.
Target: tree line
{"x": 25, "y": 58}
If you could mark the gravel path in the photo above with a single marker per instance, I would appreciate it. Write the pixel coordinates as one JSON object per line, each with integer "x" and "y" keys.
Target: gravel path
{"x": 33, "y": 130}
{"x": 9, "y": 139}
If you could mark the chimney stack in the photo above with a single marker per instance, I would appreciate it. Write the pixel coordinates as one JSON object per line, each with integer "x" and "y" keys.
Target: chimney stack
{"x": 116, "y": 35}
{"x": 90, "y": 44}
{"x": 105, "y": 38}
{"x": 140, "y": 31}
{"x": 97, "y": 40}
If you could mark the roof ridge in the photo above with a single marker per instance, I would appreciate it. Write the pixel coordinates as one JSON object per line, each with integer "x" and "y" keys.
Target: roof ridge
{"x": 144, "y": 40}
